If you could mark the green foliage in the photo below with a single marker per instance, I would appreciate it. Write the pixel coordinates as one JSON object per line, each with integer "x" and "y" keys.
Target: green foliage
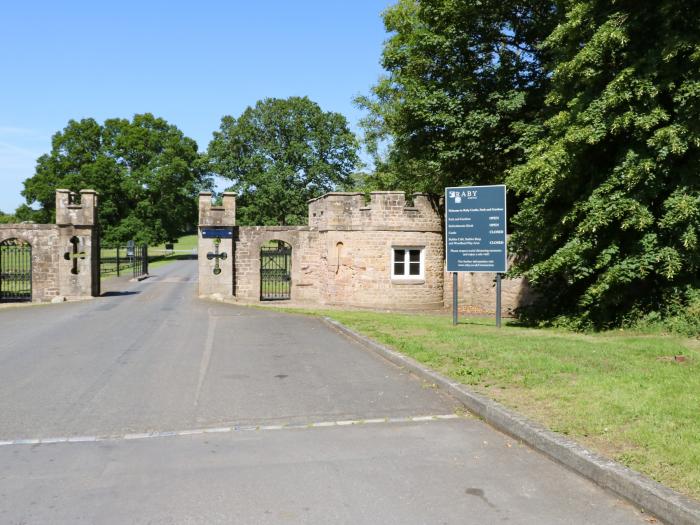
{"x": 680, "y": 314}
{"x": 588, "y": 110}
{"x": 148, "y": 175}
{"x": 7, "y": 219}
{"x": 610, "y": 217}
{"x": 466, "y": 81}
{"x": 281, "y": 153}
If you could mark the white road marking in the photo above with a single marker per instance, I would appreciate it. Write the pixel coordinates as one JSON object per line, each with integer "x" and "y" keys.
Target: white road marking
{"x": 220, "y": 430}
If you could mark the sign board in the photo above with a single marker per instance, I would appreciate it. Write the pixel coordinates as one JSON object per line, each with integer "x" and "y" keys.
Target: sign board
{"x": 130, "y": 248}
{"x": 217, "y": 233}
{"x": 475, "y": 229}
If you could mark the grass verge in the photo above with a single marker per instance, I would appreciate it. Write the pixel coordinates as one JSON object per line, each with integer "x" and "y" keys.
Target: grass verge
{"x": 620, "y": 393}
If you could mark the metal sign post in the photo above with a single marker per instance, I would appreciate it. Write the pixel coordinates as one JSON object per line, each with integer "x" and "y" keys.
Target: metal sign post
{"x": 455, "y": 299}
{"x": 475, "y": 235}
{"x": 498, "y": 300}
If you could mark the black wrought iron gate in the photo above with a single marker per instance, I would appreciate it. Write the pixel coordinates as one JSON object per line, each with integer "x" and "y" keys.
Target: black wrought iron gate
{"x": 275, "y": 272}
{"x": 15, "y": 271}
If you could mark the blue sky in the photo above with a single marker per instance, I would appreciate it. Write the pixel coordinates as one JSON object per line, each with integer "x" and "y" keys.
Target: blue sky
{"x": 188, "y": 62}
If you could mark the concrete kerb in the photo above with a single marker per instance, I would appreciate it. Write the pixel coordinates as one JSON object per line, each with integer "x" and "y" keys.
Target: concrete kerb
{"x": 652, "y": 497}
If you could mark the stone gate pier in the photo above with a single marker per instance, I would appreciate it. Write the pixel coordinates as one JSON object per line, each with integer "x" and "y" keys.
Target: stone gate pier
{"x": 53, "y": 262}
{"x": 215, "y": 245}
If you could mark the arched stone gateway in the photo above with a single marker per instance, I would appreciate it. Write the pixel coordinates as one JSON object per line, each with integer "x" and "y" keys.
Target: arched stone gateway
{"x": 275, "y": 271}
{"x": 15, "y": 271}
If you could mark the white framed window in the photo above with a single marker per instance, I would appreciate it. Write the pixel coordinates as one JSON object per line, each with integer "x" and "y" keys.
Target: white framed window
{"x": 407, "y": 262}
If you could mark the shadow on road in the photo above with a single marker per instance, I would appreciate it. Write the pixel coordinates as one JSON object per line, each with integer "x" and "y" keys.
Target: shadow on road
{"x": 119, "y": 293}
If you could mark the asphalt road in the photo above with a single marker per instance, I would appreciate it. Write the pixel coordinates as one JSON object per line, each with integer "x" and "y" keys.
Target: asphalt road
{"x": 149, "y": 405}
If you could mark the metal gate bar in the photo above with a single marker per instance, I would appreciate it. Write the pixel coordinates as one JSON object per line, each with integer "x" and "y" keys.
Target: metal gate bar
{"x": 275, "y": 273}
{"x": 119, "y": 259}
{"x": 15, "y": 271}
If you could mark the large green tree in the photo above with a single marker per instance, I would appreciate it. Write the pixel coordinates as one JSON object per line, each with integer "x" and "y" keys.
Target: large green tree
{"x": 281, "y": 153}
{"x": 610, "y": 222}
{"x": 146, "y": 171}
{"x": 465, "y": 82}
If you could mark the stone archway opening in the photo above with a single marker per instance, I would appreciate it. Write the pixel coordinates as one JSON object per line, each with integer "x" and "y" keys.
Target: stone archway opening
{"x": 275, "y": 271}
{"x": 15, "y": 271}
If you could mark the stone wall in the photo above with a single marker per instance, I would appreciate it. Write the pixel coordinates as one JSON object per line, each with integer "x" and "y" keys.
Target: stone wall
{"x": 305, "y": 260}
{"x": 477, "y": 293}
{"x": 356, "y": 270}
{"x": 356, "y": 243}
{"x": 44, "y": 239}
{"x": 344, "y": 256}
{"x": 385, "y": 211}
{"x": 54, "y": 274}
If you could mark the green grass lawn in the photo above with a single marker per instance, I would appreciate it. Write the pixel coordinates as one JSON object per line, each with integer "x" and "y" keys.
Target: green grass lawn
{"x": 620, "y": 393}
{"x": 186, "y": 242}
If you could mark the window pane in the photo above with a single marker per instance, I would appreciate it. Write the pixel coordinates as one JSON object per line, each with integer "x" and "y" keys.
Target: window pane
{"x": 414, "y": 268}
{"x": 399, "y": 255}
{"x": 415, "y": 256}
{"x": 399, "y": 268}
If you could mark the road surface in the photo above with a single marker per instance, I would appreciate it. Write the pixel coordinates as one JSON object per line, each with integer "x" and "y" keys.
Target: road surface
{"x": 149, "y": 405}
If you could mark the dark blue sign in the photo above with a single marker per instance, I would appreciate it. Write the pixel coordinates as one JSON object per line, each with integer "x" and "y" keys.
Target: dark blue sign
{"x": 475, "y": 229}
{"x": 217, "y": 233}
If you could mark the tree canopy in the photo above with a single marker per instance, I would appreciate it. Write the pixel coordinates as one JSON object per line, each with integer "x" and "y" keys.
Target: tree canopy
{"x": 610, "y": 221}
{"x": 148, "y": 175}
{"x": 587, "y": 109}
{"x": 281, "y": 153}
{"x": 465, "y": 80}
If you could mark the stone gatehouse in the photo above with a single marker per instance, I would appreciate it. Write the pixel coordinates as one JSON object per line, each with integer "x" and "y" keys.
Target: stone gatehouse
{"x": 385, "y": 253}
{"x": 381, "y": 253}
{"x": 53, "y": 261}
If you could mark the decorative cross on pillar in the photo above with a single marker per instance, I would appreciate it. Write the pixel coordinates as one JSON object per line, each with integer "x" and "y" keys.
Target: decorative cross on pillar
{"x": 74, "y": 255}
{"x": 216, "y": 255}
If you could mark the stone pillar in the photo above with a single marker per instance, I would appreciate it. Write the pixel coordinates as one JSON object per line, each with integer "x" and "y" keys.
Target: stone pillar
{"x": 215, "y": 245}
{"x": 78, "y": 244}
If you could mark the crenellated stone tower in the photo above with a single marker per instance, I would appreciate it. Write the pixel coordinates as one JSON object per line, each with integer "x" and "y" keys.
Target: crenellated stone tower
{"x": 79, "y": 244}
{"x": 215, "y": 245}
{"x": 362, "y": 246}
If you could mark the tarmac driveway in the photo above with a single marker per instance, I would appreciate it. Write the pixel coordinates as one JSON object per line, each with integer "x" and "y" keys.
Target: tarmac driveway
{"x": 151, "y": 406}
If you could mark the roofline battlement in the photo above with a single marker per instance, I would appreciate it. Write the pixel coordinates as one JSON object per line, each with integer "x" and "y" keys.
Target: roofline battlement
{"x": 70, "y": 212}
{"x": 350, "y": 210}
{"x": 210, "y": 215}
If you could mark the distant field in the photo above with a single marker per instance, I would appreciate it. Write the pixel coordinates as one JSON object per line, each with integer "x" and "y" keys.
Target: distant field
{"x": 186, "y": 242}
{"x": 184, "y": 248}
